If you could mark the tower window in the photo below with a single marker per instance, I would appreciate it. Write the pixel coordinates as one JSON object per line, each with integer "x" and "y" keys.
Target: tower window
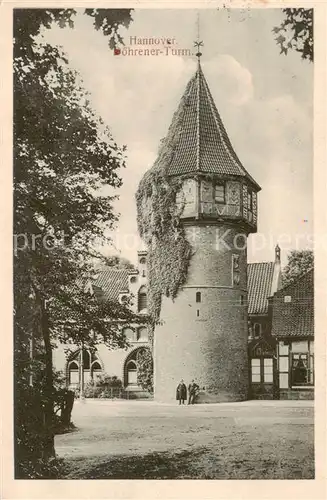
{"x": 220, "y": 193}
{"x": 250, "y": 201}
{"x": 142, "y": 260}
{"x": 197, "y": 312}
{"x": 198, "y": 297}
{"x": 142, "y": 299}
{"x": 143, "y": 273}
{"x": 242, "y": 300}
{"x": 251, "y": 204}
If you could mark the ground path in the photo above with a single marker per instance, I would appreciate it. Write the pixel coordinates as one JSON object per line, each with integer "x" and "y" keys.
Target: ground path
{"x": 144, "y": 439}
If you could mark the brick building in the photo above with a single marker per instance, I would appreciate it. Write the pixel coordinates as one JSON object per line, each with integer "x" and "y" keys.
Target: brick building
{"x": 221, "y": 328}
{"x": 204, "y": 331}
{"x": 285, "y": 334}
{"x": 292, "y": 312}
{"x": 264, "y": 279}
{"x": 113, "y": 284}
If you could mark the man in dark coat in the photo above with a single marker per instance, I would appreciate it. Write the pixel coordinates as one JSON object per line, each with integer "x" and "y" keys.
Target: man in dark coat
{"x": 193, "y": 390}
{"x": 181, "y": 392}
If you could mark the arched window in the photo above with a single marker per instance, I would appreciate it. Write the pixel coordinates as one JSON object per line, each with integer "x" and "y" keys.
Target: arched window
{"x": 73, "y": 373}
{"x": 96, "y": 370}
{"x": 198, "y": 297}
{"x": 131, "y": 372}
{"x": 91, "y": 365}
{"x": 143, "y": 335}
{"x": 129, "y": 334}
{"x": 257, "y": 329}
{"x": 86, "y": 359}
{"x": 142, "y": 260}
{"x": 130, "y": 367}
{"x": 142, "y": 302}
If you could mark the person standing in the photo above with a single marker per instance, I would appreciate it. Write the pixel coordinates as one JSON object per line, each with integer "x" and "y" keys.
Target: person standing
{"x": 193, "y": 390}
{"x": 181, "y": 392}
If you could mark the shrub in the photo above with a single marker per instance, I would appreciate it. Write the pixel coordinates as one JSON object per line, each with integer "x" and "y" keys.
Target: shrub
{"x": 104, "y": 386}
{"x": 92, "y": 390}
{"x": 109, "y": 381}
{"x": 111, "y": 393}
{"x": 40, "y": 469}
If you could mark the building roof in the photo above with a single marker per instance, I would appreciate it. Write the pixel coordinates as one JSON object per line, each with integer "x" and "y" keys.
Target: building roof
{"x": 263, "y": 279}
{"x": 112, "y": 282}
{"x": 201, "y": 143}
{"x": 260, "y": 279}
{"x": 295, "y": 316}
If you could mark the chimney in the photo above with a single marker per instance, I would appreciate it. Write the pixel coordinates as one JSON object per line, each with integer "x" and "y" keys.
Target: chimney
{"x": 277, "y": 254}
{"x": 277, "y": 276}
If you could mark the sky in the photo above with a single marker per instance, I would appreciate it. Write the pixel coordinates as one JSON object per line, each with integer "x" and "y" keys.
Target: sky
{"x": 265, "y": 100}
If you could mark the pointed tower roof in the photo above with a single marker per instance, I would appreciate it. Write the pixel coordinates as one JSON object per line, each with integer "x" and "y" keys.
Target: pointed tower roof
{"x": 201, "y": 143}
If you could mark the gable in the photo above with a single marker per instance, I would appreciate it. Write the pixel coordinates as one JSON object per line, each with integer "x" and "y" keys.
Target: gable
{"x": 293, "y": 308}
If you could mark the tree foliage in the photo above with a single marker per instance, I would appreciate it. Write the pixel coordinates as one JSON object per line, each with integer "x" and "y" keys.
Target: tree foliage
{"x": 118, "y": 262}
{"x": 29, "y": 22}
{"x": 63, "y": 155}
{"x": 296, "y": 32}
{"x": 144, "y": 363}
{"x": 299, "y": 262}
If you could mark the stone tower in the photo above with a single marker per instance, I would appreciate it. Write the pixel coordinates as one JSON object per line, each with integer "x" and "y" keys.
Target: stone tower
{"x": 203, "y": 332}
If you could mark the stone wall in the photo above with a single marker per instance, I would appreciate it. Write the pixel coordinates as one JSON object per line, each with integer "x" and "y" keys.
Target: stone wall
{"x": 291, "y": 394}
{"x": 206, "y": 341}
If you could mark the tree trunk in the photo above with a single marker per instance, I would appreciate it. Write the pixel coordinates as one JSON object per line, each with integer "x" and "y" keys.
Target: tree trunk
{"x": 81, "y": 373}
{"x": 48, "y": 424}
{"x": 31, "y": 352}
{"x": 67, "y": 408}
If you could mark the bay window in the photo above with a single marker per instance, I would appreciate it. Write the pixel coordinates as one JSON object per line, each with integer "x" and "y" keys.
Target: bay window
{"x": 296, "y": 364}
{"x": 302, "y": 363}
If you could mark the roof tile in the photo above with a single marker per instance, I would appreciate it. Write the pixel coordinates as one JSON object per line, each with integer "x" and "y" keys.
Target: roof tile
{"x": 260, "y": 276}
{"x": 112, "y": 282}
{"x": 202, "y": 143}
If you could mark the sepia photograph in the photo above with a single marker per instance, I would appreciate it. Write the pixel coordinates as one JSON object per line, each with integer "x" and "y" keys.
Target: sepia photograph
{"x": 163, "y": 243}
